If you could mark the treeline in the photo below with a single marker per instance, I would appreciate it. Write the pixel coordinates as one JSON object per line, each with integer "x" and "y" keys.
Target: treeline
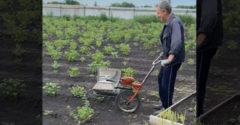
{"x": 70, "y": 2}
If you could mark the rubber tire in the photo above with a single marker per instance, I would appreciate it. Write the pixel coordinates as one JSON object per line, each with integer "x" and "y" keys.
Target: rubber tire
{"x": 129, "y": 93}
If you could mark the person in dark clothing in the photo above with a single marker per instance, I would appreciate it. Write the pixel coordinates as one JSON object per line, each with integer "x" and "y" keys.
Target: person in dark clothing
{"x": 209, "y": 37}
{"x": 173, "y": 54}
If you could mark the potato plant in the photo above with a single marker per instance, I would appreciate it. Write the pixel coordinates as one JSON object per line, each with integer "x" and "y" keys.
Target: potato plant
{"x": 72, "y": 55}
{"x": 108, "y": 50}
{"x": 78, "y": 91}
{"x": 81, "y": 114}
{"x": 129, "y": 72}
{"x": 74, "y": 72}
{"x": 12, "y": 88}
{"x": 124, "y": 49}
{"x": 51, "y": 88}
{"x": 55, "y": 66}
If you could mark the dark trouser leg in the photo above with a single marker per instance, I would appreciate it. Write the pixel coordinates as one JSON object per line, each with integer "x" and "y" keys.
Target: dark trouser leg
{"x": 203, "y": 63}
{"x": 160, "y": 82}
{"x": 166, "y": 81}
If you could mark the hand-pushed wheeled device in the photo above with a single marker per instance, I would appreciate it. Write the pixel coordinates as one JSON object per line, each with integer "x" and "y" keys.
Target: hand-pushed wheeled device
{"x": 125, "y": 89}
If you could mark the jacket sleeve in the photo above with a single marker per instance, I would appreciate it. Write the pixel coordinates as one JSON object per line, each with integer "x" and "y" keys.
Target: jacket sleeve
{"x": 176, "y": 40}
{"x": 208, "y": 16}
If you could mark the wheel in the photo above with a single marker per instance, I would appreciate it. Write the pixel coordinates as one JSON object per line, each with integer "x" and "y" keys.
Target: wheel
{"x": 122, "y": 99}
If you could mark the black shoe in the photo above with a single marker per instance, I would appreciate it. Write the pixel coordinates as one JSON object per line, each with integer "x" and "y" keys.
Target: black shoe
{"x": 157, "y": 107}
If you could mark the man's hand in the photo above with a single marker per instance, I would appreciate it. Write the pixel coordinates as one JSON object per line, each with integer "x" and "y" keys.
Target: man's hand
{"x": 200, "y": 38}
{"x": 165, "y": 62}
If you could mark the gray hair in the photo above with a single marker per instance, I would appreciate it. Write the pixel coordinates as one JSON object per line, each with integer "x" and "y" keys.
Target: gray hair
{"x": 165, "y": 6}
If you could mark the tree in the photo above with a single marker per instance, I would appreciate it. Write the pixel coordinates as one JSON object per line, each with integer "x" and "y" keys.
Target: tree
{"x": 72, "y": 2}
{"x": 95, "y": 4}
{"x": 55, "y": 2}
{"x": 123, "y": 4}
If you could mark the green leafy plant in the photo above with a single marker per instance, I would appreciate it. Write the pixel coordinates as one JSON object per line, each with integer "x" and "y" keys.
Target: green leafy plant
{"x": 55, "y": 66}
{"x": 191, "y": 61}
{"x": 85, "y": 50}
{"x": 59, "y": 34}
{"x": 88, "y": 42}
{"x": 114, "y": 55}
{"x": 72, "y": 55}
{"x": 12, "y": 88}
{"x": 98, "y": 43}
{"x": 59, "y": 44}
{"x": 152, "y": 53}
{"x": 78, "y": 91}
{"x": 124, "y": 49}
{"x": 173, "y": 116}
{"x": 135, "y": 44}
{"x": 82, "y": 59}
{"x": 74, "y": 72}
{"x": 18, "y": 51}
{"x": 73, "y": 45}
{"x": 108, "y": 50}
{"x": 95, "y": 65}
{"x": 98, "y": 57}
{"x": 181, "y": 68}
{"x": 155, "y": 72}
{"x": 232, "y": 45}
{"x": 154, "y": 94}
{"x": 51, "y": 88}
{"x": 128, "y": 72}
{"x": 124, "y": 63}
{"x": 81, "y": 114}
{"x": 54, "y": 53}
{"x": 71, "y": 33}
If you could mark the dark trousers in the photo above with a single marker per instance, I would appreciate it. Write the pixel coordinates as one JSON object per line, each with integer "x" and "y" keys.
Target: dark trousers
{"x": 203, "y": 63}
{"x": 166, "y": 82}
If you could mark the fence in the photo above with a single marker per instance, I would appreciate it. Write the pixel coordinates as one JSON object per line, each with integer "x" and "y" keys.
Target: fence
{"x": 125, "y": 13}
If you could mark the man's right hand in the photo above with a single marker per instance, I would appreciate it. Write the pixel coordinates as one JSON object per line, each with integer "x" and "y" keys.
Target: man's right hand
{"x": 200, "y": 38}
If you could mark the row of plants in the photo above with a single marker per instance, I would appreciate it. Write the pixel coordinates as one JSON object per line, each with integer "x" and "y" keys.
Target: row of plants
{"x": 82, "y": 113}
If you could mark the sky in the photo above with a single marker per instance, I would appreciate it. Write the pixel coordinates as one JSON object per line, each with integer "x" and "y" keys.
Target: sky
{"x": 174, "y": 3}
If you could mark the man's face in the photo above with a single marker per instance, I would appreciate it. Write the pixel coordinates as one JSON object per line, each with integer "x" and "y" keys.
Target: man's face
{"x": 162, "y": 15}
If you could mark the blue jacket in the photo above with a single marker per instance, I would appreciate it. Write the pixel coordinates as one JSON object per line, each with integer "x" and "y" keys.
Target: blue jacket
{"x": 172, "y": 39}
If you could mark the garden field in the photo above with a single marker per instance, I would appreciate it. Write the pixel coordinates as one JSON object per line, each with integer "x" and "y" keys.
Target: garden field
{"x": 73, "y": 49}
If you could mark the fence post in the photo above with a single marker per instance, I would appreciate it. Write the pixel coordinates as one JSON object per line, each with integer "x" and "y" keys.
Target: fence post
{"x": 84, "y": 11}
{"x": 109, "y": 12}
{"x": 134, "y": 12}
{"x": 60, "y": 11}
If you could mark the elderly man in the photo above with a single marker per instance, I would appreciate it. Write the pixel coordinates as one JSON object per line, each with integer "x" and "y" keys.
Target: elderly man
{"x": 173, "y": 53}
